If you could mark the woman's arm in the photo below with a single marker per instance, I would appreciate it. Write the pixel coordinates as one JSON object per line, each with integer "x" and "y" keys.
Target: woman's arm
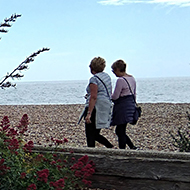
{"x": 92, "y": 101}
{"x": 117, "y": 90}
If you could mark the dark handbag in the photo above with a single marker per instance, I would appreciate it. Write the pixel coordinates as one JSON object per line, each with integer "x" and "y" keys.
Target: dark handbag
{"x": 136, "y": 115}
{"x": 138, "y": 109}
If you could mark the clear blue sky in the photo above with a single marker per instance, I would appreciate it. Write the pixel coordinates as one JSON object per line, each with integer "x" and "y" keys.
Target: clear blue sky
{"x": 152, "y": 36}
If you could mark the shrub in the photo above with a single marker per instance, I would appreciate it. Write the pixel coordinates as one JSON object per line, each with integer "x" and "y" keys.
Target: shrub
{"x": 21, "y": 168}
{"x": 182, "y": 139}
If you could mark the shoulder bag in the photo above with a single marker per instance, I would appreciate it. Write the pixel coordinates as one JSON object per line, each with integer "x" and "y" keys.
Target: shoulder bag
{"x": 84, "y": 112}
{"x": 104, "y": 85}
{"x": 138, "y": 109}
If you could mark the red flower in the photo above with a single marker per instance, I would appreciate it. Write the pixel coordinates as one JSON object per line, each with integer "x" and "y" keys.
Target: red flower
{"x": 3, "y": 167}
{"x": 86, "y": 182}
{"x": 83, "y": 168}
{"x": 58, "y": 141}
{"x": 91, "y": 163}
{"x": 39, "y": 158}
{"x": 23, "y": 125}
{"x": 51, "y": 184}
{"x": 30, "y": 143}
{"x": 58, "y": 167}
{"x": 53, "y": 162}
{"x": 65, "y": 140}
{"x": 5, "y": 123}
{"x": 43, "y": 175}
{"x": 22, "y": 175}
{"x": 24, "y": 120}
{"x": 28, "y": 146}
{"x": 59, "y": 184}
{"x": 13, "y": 144}
{"x": 32, "y": 187}
{"x": 12, "y": 132}
{"x": 2, "y": 161}
{"x": 84, "y": 159}
{"x": 78, "y": 174}
{"x": 77, "y": 165}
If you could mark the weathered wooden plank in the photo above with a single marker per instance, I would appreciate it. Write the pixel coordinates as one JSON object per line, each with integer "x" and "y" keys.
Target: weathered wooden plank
{"x": 119, "y": 183}
{"x": 144, "y": 168}
{"x": 127, "y": 169}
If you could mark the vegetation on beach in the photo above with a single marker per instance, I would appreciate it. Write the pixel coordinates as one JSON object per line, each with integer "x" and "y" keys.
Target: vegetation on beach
{"x": 23, "y": 65}
{"x": 182, "y": 139}
{"x": 21, "y": 168}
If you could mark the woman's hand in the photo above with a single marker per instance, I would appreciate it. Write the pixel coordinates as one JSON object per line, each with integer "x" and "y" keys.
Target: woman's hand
{"x": 86, "y": 96}
{"x": 92, "y": 101}
{"x": 87, "y": 118}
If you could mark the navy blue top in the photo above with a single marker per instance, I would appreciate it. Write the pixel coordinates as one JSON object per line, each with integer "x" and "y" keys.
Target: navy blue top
{"x": 123, "y": 110}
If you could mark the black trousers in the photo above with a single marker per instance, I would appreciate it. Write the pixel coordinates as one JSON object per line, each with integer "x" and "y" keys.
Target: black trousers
{"x": 123, "y": 139}
{"x": 93, "y": 134}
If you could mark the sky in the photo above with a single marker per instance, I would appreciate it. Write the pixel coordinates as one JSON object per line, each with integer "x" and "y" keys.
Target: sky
{"x": 151, "y": 36}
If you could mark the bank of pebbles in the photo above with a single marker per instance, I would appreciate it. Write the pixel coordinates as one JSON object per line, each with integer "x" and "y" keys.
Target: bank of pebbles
{"x": 60, "y": 121}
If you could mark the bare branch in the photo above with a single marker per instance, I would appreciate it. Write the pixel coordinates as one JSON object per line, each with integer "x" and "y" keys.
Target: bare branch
{"x": 21, "y": 67}
{"x": 3, "y": 30}
{"x": 7, "y": 24}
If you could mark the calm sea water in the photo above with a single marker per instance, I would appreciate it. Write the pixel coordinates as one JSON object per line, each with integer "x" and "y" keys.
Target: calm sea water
{"x": 154, "y": 90}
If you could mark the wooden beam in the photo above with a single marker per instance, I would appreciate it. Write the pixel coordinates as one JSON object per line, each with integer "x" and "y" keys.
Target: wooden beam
{"x": 131, "y": 169}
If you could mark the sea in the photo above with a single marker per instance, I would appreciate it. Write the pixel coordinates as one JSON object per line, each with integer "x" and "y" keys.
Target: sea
{"x": 149, "y": 90}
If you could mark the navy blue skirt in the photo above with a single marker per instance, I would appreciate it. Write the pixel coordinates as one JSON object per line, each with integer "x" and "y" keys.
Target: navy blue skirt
{"x": 123, "y": 110}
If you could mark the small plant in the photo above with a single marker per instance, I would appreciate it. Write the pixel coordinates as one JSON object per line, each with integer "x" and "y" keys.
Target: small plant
{"x": 182, "y": 140}
{"x": 21, "y": 168}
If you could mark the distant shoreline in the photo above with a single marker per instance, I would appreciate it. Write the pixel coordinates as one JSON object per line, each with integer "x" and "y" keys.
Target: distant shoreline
{"x": 113, "y": 79}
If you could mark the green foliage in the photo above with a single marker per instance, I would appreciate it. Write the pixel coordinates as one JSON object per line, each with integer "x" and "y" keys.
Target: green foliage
{"x": 182, "y": 139}
{"x": 21, "y": 168}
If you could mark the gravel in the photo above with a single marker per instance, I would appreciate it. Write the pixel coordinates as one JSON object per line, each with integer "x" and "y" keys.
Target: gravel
{"x": 152, "y": 132}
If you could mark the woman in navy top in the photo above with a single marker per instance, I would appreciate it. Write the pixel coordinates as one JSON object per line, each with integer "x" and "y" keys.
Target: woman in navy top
{"x": 124, "y": 104}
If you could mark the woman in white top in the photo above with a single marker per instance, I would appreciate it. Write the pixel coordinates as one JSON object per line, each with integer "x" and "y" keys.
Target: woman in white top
{"x": 98, "y": 104}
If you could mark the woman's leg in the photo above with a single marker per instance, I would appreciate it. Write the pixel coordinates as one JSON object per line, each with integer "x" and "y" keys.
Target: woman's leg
{"x": 90, "y": 130}
{"x": 90, "y": 137}
{"x": 93, "y": 134}
{"x": 101, "y": 139}
{"x": 123, "y": 139}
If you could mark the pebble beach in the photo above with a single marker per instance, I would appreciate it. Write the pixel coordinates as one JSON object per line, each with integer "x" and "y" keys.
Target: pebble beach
{"x": 152, "y": 132}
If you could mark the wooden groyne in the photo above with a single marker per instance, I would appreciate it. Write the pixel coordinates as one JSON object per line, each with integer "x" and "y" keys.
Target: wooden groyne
{"x": 135, "y": 170}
